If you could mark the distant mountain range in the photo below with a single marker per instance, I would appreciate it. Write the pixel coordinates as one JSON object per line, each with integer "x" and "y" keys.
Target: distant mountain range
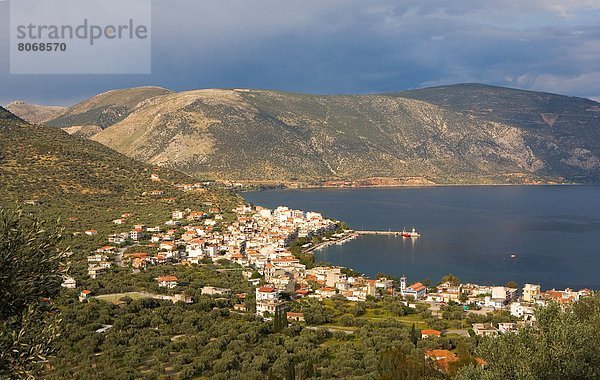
{"x": 34, "y": 113}
{"x": 467, "y": 133}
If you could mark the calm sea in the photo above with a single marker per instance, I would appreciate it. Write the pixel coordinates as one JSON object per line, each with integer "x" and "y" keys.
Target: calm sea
{"x": 554, "y": 231}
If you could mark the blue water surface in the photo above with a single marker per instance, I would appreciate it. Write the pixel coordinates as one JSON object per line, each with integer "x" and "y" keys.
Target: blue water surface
{"x": 554, "y": 231}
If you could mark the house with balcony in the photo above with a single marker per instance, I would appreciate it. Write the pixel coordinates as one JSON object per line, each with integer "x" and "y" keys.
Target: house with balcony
{"x": 167, "y": 282}
{"x": 267, "y": 300}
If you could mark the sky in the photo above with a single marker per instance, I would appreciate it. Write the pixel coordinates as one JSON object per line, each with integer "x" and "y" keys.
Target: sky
{"x": 347, "y": 47}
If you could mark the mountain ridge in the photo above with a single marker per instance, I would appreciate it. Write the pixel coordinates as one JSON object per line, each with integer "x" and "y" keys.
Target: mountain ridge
{"x": 34, "y": 113}
{"x": 105, "y": 109}
{"x": 466, "y": 133}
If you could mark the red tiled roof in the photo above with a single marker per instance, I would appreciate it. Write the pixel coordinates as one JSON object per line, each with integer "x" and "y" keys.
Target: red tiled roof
{"x": 167, "y": 278}
{"x": 139, "y": 255}
{"x": 442, "y": 358}
{"x": 441, "y": 354}
{"x": 417, "y": 286}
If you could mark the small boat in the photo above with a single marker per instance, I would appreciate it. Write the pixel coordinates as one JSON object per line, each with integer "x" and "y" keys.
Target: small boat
{"x": 410, "y": 234}
{"x": 512, "y": 255}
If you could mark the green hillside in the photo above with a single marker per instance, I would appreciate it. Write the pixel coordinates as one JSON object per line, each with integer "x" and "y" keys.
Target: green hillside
{"x": 48, "y": 171}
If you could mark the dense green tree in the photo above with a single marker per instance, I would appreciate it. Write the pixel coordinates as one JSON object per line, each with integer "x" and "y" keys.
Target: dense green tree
{"x": 396, "y": 364}
{"x": 30, "y": 276}
{"x": 451, "y": 279}
{"x": 347, "y": 320}
{"x": 464, "y": 358}
{"x": 414, "y": 334}
{"x": 563, "y": 345}
{"x": 350, "y": 272}
{"x": 511, "y": 284}
{"x": 250, "y": 302}
{"x": 280, "y": 319}
{"x": 452, "y": 312}
{"x": 379, "y": 275}
{"x": 316, "y": 314}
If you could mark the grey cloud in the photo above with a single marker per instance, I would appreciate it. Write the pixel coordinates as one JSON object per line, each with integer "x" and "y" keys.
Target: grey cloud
{"x": 352, "y": 46}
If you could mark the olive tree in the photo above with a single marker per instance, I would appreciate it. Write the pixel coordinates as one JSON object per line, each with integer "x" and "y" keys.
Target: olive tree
{"x": 30, "y": 275}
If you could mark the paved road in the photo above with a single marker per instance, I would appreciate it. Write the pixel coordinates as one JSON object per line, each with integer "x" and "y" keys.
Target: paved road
{"x": 330, "y": 329}
{"x": 120, "y": 252}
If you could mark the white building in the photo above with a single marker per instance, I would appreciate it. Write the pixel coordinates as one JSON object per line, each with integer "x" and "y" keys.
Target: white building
{"x": 118, "y": 238}
{"x": 267, "y": 300}
{"x": 167, "y": 281}
{"x": 507, "y": 327}
{"x": 530, "y": 292}
{"x": 136, "y": 234}
{"x": 211, "y": 291}
{"x": 416, "y": 290}
{"x": 523, "y": 311}
{"x": 485, "y": 329}
{"x": 265, "y": 213}
{"x": 178, "y": 215}
{"x": 69, "y": 282}
{"x": 501, "y": 296}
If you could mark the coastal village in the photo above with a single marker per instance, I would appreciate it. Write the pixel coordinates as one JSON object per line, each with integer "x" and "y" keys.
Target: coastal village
{"x": 257, "y": 242}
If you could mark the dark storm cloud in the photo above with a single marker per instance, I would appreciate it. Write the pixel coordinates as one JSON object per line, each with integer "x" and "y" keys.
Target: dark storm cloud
{"x": 351, "y": 46}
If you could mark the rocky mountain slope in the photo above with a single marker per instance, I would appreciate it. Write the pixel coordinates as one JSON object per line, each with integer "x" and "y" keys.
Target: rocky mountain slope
{"x": 105, "y": 109}
{"x": 563, "y": 130}
{"x": 453, "y": 134}
{"x": 34, "y": 113}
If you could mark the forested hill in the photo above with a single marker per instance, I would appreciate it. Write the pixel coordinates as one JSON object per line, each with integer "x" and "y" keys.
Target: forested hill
{"x": 46, "y": 169}
{"x": 454, "y": 134}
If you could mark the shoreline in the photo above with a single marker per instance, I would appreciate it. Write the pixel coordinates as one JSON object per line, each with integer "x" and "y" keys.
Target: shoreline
{"x": 268, "y": 187}
{"x": 324, "y": 244}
